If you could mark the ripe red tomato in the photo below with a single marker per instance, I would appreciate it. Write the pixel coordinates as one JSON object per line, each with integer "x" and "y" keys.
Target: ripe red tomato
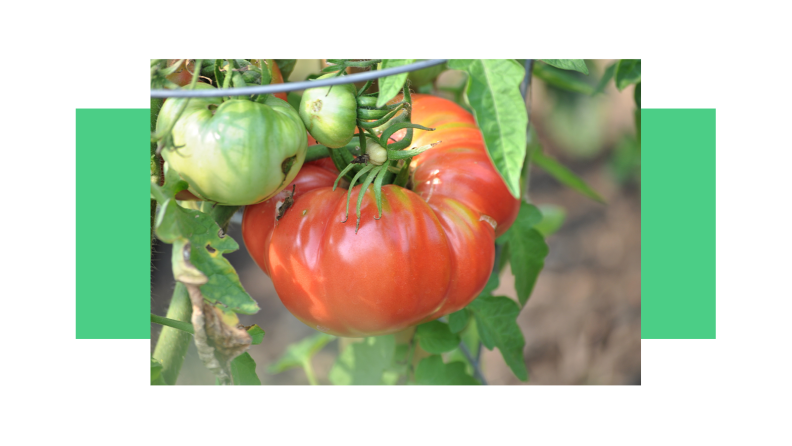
{"x": 430, "y": 254}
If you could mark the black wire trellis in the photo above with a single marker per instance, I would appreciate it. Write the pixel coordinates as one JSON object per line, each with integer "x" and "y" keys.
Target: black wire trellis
{"x": 294, "y": 86}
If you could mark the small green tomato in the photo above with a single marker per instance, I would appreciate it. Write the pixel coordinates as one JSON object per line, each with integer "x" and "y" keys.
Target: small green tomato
{"x": 330, "y": 114}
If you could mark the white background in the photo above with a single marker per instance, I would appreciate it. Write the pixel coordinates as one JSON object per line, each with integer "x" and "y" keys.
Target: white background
{"x": 94, "y": 55}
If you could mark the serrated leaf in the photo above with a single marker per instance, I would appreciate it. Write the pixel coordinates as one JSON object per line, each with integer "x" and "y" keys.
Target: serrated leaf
{"x": 364, "y": 363}
{"x": 527, "y": 250}
{"x": 298, "y": 353}
{"x": 561, "y": 78}
{"x": 565, "y": 176}
{"x": 256, "y": 334}
{"x": 433, "y": 371}
{"x": 156, "y": 370}
{"x": 628, "y": 72}
{"x": 181, "y": 227}
{"x": 243, "y": 370}
{"x": 194, "y": 230}
{"x": 493, "y": 92}
{"x": 606, "y": 77}
{"x": 458, "y": 320}
{"x": 568, "y": 64}
{"x": 436, "y": 337}
{"x": 496, "y": 320}
{"x": 552, "y": 218}
{"x": 390, "y": 86}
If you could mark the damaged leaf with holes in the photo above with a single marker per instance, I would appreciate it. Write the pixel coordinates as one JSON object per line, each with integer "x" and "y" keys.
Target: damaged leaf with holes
{"x": 198, "y": 248}
{"x": 236, "y": 152}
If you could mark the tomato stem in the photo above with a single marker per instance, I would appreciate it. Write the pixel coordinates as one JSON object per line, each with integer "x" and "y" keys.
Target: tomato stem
{"x": 172, "y": 343}
{"x": 179, "y": 325}
{"x": 309, "y": 372}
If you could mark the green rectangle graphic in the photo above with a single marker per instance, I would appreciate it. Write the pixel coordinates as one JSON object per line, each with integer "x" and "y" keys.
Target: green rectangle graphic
{"x": 113, "y": 211}
{"x": 678, "y": 224}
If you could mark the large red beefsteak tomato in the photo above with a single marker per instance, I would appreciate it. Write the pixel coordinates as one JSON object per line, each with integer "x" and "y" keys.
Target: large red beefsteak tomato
{"x": 429, "y": 255}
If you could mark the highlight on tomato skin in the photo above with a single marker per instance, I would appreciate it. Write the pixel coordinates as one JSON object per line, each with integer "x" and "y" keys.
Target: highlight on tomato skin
{"x": 430, "y": 254}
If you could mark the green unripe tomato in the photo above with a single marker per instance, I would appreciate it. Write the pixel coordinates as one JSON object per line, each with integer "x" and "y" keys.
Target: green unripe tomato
{"x": 236, "y": 152}
{"x": 423, "y": 77}
{"x": 330, "y": 118}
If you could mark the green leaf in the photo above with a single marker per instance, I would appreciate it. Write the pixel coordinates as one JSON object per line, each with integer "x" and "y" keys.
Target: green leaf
{"x": 243, "y": 370}
{"x": 297, "y": 354}
{"x": 492, "y": 283}
{"x": 365, "y": 362}
{"x": 470, "y": 336}
{"x": 496, "y": 320}
{"x": 493, "y": 91}
{"x": 196, "y": 231}
{"x": 286, "y": 67}
{"x": 256, "y": 334}
{"x": 527, "y": 260}
{"x": 561, "y": 79}
{"x": 156, "y": 370}
{"x": 433, "y": 371}
{"x": 527, "y": 250}
{"x": 528, "y": 217}
{"x": 458, "y": 320}
{"x": 503, "y": 259}
{"x": 606, "y": 77}
{"x": 568, "y": 64}
{"x": 390, "y": 86}
{"x": 565, "y": 176}
{"x": 637, "y": 95}
{"x": 552, "y": 218}
{"x": 628, "y": 72}
{"x": 436, "y": 337}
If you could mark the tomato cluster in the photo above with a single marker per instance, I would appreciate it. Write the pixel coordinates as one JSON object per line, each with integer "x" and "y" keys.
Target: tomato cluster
{"x": 429, "y": 254}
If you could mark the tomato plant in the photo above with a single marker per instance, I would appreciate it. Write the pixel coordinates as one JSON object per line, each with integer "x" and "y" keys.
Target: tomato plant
{"x": 438, "y": 196}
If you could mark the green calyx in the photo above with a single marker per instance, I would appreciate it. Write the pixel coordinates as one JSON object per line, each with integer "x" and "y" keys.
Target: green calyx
{"x": 376, "y": 160}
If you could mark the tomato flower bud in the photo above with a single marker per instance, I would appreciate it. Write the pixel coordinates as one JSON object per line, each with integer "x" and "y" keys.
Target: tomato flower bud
{"x": 377, "y": 154}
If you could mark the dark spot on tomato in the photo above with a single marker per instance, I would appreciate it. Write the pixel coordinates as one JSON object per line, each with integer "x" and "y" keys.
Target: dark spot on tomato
{"x": 287, "y": 164}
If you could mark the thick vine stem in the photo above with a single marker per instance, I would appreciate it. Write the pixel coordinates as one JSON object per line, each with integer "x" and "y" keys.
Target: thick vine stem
{"x": 172, "y": 344}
